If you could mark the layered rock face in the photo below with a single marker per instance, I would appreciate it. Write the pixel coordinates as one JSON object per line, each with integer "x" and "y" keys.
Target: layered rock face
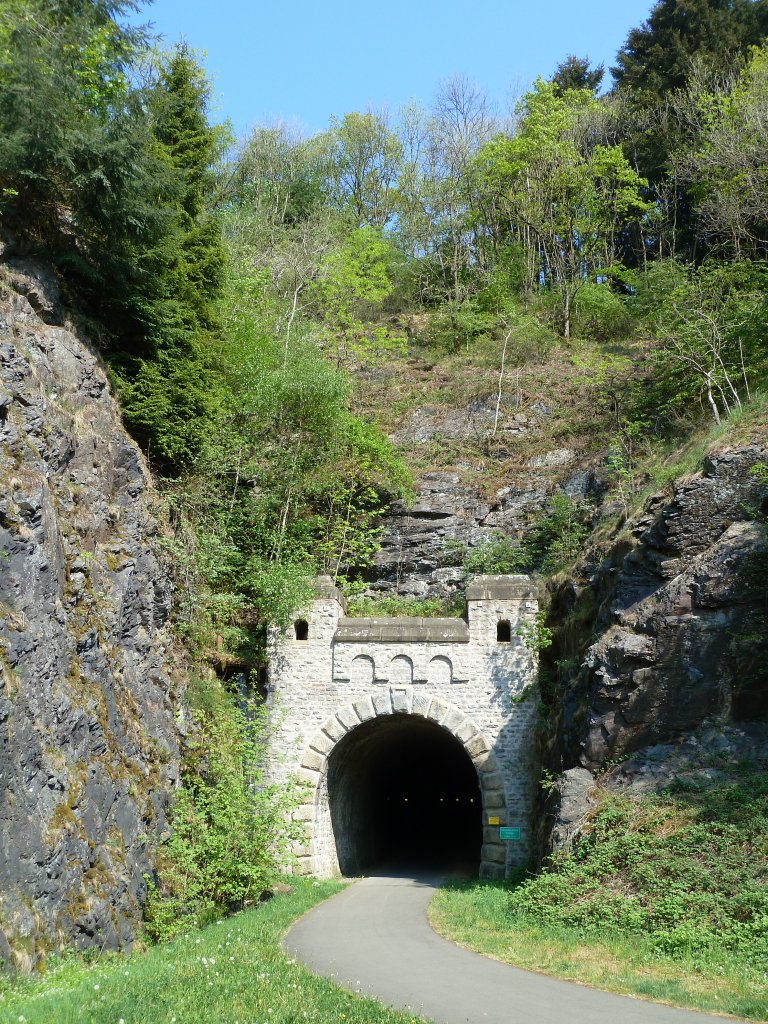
{"x": 88, "y": 733}
{"x": 678, "y": 613}
{"x": 424, "y": 543}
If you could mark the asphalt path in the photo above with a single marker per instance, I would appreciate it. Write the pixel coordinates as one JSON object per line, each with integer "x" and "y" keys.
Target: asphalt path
{"x": 374, "y": 938}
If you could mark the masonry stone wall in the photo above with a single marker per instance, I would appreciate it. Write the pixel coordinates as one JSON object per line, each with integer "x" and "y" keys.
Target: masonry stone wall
{"x": 454, "y": 672}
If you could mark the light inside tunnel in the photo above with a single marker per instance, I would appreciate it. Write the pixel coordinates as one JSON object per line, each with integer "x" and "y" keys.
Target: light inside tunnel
{"x": 404, "y": 795}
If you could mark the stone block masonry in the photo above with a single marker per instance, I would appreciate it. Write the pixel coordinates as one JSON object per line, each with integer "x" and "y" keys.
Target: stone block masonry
{"x": 473, "y": 680}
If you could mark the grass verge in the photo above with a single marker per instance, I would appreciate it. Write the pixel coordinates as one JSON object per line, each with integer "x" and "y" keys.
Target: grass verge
{"x": 474, "y": 915}
{"x": 666, "y": 898}
{"x": 232, "y": 972}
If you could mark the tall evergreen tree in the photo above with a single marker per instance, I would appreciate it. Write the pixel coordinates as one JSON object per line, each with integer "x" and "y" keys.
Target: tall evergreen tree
{"x": 167, "y": 389}
{"x": 577, "y": 73}
{"x": 192, "y": 145}
{"x": 657, "y": 57}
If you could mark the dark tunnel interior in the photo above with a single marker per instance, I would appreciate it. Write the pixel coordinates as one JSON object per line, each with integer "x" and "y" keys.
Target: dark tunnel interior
{"x": 404, "y": 796}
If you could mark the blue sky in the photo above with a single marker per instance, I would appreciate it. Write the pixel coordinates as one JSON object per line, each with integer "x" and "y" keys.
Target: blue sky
{"x": 303, "y": 61}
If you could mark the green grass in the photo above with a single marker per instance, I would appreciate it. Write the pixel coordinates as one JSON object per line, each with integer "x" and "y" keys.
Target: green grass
{"x": 476, "y": 916}
{"x": 675, "y": 458}
{"x": 232, "y": 972}
{"x": 394, "y": 605}
{"x": 665, "y": 898}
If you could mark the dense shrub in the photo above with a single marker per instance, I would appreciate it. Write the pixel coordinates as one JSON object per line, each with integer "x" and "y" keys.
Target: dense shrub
{"x": 686, "y": 869}
{"x": 231, "y": 828}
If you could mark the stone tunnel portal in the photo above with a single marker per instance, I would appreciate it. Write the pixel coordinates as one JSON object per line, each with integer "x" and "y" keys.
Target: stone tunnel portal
{"x": 404, "y": 795}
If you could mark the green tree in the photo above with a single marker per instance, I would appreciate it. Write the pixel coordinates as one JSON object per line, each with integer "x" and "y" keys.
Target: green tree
{"x": 577, "y": 73}
{"x": 724, "y": 164}
{"x": 108, "y": 176}
{"x": 365, "y": 157}
{"x": 657, "y": 57}
{"x": 353, "y": 282}
{"x": 564, "y": 201}
{"x": 287, "y": 483}
{"x": 66, "y": 121}
{"x": 681, "y": 42}
{"x": 168, "y": 388}
{"x": 278, "y": 174}
{"x": 192, "y": 145}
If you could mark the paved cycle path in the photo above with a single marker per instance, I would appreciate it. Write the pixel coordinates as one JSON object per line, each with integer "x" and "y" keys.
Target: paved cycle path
{"x": 374, "y": 938}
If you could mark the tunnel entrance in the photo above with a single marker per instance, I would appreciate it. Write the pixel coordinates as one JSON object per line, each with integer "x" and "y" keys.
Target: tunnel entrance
{"x": 404, "y": 796}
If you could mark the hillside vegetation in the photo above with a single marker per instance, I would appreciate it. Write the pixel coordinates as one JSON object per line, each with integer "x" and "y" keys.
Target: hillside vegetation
{"x": 663, "y": 897}
{"x": 272, "y": 310}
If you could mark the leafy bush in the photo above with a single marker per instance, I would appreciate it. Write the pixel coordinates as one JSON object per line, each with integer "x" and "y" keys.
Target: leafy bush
{"x": 687, "y": 869}
{"x": 231, "y": 828}
{"x": 601, "y": 313}
{"x": 497, "y": 555}
{"x": 457, "y": 325}
{"x": 553, "y": 540}
{"x": 557, "y": 536}
{"x": 288, "y": 483}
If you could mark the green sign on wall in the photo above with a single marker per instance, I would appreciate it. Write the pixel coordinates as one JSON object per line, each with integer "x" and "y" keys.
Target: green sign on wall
{"x": 509, "y": 833}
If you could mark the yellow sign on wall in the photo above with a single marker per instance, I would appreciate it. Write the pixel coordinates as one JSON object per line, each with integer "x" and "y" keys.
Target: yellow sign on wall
{"x": 493, "y": 821}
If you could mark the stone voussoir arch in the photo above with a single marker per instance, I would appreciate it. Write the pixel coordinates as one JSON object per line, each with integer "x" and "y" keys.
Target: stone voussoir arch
{"x": 393, "y": 701}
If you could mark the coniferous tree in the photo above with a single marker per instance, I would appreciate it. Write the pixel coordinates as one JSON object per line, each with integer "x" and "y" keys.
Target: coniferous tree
{"x": 658, "y": 56}
{"x": 576, "y": 73}
{"x": 192, "y": 145}
{"x": 168, "y": 389}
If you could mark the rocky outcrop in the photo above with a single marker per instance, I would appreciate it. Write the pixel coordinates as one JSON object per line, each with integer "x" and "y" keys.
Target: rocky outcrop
{"x": 676, "y": 608}
{"x": 424, "y": 542}
{"x": 711, "y": 755}
{"x": 477, "y": 421}
{"x": 88, "y": 734}
{"x": 574, "y": 799}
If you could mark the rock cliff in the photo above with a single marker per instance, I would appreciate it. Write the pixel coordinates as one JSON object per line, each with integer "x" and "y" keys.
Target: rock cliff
{"x": 424, "y": 542}
{"x": 664, "y": 627}
{"x": 88, "y": 734}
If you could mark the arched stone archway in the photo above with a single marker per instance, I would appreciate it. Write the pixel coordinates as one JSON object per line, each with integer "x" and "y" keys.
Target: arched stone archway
{"x": 319, "y": 854}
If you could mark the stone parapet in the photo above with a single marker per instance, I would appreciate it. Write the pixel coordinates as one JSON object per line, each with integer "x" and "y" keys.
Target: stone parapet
{"x": 326, "y": 590}
{"x": 501, "y": 588}
{"x": 402, "y": 630}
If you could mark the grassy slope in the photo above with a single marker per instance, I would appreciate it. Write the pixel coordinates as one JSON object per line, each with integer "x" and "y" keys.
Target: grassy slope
{"x": 233, "y": 971}
{"x": 666, "y": 898}
{"x": 539, "y": 368}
